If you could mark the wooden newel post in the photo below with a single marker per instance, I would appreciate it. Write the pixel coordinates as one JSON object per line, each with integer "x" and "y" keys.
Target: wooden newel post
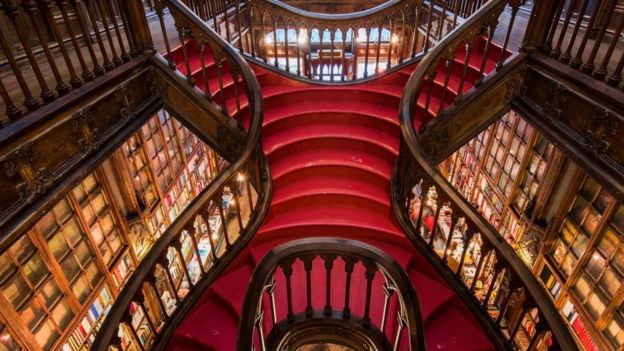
{"x": 139, "y": 28}
{"x": 540, "y": 22}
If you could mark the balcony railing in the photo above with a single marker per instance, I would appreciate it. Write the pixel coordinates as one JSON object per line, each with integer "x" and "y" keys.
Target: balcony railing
{"x": 335, "y": 47}
{"x": 587, "y": 36}
{"x": 353, "y": 271}
{"x": 471, "y": 255}
{"x": 50, "y": 48}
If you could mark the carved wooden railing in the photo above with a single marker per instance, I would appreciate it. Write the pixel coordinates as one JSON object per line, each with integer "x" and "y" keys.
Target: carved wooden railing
{"x": 468, "y": 252}
{"x": 190, "y": 51}
{"x": 220, "y": 15}
{"x": 164, "y": 275}
{"x": 353, "y": 271}
{"x": 587, "y": 36}
{"x": 337, "y": 47}
{"x": 432, "y": 80}
{"x": 50, "y": 48}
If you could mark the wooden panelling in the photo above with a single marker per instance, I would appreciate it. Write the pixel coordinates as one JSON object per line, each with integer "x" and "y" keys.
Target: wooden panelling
{"x": 587, "y": 123}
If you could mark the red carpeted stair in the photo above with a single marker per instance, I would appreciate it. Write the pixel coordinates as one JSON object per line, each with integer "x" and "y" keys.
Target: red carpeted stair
{"x": 331, "y": 150}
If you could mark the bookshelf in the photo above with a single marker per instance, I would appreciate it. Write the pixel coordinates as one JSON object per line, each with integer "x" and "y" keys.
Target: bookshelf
{"x": 501, "y": 171}
{"x": 84, "y": 334}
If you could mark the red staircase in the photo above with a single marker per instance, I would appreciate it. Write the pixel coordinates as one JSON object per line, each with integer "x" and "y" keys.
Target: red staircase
{"x": 331, "y": 151}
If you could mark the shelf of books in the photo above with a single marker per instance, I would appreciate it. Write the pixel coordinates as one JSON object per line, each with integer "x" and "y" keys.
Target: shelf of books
{"x": 83, "y": 335}
{"x": 7, "y": 343}
{"x": 500, "y": 172}
{"x": 200, "y": 169}
{"x": 139, "y": 171}
{"x": 189, "y": 257}
{"x": 122, "y": 270}
{"x": 527, "y": 331}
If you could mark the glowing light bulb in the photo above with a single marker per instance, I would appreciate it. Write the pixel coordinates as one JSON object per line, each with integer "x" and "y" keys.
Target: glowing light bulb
{"x": 268, "y": 39}
{"x": 240, "y": 177}
{"x": 395, "y": 39}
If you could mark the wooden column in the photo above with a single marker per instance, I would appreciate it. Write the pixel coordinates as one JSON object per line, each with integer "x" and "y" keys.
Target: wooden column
{"x": 139, "y": 28}
{"x": 539, "y": 24}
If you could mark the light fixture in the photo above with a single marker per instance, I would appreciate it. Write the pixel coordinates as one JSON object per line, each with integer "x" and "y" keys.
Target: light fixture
{"x": 241, "y": 177}
{"x": 395, "y": 39}
{"x": 268, "y": 39}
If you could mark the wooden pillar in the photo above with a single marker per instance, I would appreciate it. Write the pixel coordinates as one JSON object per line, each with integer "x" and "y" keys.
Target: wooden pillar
{"x": 539, "y": 24}
{"x": 139, "y": 28}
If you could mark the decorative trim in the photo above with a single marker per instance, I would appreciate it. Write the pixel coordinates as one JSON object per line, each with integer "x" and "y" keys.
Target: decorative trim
{"x": 82, "y": 124}
{"x": 20, "y": 164}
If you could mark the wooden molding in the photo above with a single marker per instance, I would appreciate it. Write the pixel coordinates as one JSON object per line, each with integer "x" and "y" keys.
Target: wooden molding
{"x": 583, "y": 122}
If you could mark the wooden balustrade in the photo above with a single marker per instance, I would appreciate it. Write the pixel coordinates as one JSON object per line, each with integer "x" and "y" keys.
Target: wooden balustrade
{"x": 49, "y": 48}
{"x": 335, "y": 47}
{"x": 205, "y": 65}
{"x": 587, "y": 35}
{"x": 271, "y": 314}
{"x": 486, "y": 37}
{"x": 470, "y": 254}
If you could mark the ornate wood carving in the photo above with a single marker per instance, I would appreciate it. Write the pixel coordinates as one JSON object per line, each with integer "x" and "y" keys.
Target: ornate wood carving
{"x": 332, "y": 6}
{"x": 31, "y": 181}
{"x": 82, "y": 125}
{"x": 603, "y": 124}
{"x": 585, "y": 124}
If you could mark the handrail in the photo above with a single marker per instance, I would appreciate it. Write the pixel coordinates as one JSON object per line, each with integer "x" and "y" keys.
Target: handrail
{"x": 284, "y": 258}
{"x": 249, "y": 182}
{"x": 336, "y": 48}
{"x": 455, "y": 232}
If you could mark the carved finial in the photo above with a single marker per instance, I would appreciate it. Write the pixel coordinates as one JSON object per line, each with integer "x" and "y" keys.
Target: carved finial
{"x": 124, "y": 98}
{"x": 19, "y": 163}
{"x": 82, "y": 124}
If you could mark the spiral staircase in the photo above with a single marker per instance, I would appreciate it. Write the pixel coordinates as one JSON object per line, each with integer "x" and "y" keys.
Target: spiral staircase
{"x": 331, "y": 151}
